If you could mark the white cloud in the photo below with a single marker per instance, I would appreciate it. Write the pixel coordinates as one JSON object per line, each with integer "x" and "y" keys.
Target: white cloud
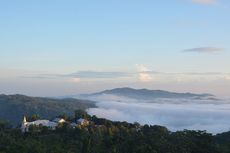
{"x": 227, "y": 77}
{"x": 76, "y": 80}
{"x": 175, "y": 114}
{"x": 142, "y": 68}
{"x": 144, "y": 74}
{"x": 145, "y": 77}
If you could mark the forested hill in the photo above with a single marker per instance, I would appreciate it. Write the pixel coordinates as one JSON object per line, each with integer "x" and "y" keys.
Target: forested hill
{"x": 145, "y": 94}
{"x": 14, "y": 107}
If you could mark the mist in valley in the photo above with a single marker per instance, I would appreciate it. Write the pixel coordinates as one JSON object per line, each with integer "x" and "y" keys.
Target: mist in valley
{"x": 211, "y": 115}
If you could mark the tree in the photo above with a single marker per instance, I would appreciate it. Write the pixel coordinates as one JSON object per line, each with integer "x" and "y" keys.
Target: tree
{"x": 81, "y": 114}
{"x": 4, "y": 124}
{"x": 32, "y": 118}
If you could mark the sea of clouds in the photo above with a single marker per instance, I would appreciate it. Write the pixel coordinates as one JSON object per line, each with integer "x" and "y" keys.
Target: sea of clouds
{"x": 176, "y": 114}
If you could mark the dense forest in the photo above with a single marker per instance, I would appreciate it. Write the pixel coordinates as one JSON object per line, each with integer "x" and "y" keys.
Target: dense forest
{"x": 104, "y": 136}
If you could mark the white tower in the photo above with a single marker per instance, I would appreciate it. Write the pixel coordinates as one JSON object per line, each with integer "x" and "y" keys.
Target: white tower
{"x": 23, "y": 126}
{"x": 24, "y": 120}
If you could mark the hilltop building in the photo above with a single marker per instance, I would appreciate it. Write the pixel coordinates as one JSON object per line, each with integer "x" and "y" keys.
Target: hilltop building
{"x": 52, "y": 125}
{"x": 59, "y": 120}
{"x": 82, "y": 122}
{"x": 26, "y": 125}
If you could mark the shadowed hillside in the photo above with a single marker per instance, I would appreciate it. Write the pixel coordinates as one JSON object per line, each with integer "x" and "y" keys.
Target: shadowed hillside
{"x": 13, "y": 107}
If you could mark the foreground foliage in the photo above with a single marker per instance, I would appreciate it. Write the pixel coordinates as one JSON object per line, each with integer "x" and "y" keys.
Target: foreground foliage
{"x": 104, "y": 136}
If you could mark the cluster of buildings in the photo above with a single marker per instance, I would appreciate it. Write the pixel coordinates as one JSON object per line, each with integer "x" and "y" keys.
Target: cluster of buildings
{"x": 52, "y": 125}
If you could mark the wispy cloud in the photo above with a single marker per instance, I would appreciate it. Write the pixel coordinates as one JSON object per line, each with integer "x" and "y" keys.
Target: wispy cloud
{"x": 142, "y": 74}
{"x": 206, "y": 2}
{"x": 98, "y": 74}
{"x": 204, "y": 50}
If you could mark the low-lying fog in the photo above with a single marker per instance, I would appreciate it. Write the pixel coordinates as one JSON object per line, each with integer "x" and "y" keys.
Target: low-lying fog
{"x": 176, "y": 114}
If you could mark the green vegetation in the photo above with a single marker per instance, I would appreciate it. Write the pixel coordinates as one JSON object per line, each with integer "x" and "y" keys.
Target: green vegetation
{"x": 104, "y": 136}
{"x": 14, "y": 107}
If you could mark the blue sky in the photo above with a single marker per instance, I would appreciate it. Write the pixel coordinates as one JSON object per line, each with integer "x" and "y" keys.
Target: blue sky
{"x": 84, "y": 46}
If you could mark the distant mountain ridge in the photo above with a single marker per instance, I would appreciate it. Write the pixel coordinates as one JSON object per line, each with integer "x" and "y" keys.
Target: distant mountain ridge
{"x": 145, "y": 94}
{"x": 14, "y": 107}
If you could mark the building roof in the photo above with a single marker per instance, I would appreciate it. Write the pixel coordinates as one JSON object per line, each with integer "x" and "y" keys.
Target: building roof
{"x": 81, "y": 120}
{"x": 43, "y": 123}
{"x": 73, "y": 124}
{"x": 58, "y": 120}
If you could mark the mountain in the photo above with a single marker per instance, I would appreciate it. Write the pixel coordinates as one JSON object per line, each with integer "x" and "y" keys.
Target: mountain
{"x": 14, "y": 107}
{"x": 145, "y": 94}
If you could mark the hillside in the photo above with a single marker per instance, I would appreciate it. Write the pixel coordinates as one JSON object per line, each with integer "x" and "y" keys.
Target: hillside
{"x": 13, "y": 107}
{"x": 145, "y": 94}
{"x": 105, "y": 136}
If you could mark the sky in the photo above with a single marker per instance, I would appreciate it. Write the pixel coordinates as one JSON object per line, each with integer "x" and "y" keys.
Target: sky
{"x": 56, "y": 47}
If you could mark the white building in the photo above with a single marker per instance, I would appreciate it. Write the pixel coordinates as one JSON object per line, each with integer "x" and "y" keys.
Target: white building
{"x": 46, "y": 123}
{"x": 59, "y": 120}
{"x": 82, "y": 122}
{"x": 51, "y": 124}
{"x": 73, "y": 125}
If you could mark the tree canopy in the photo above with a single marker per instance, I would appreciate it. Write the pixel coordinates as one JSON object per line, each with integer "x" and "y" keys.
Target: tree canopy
{"x": 105, "y": 136}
